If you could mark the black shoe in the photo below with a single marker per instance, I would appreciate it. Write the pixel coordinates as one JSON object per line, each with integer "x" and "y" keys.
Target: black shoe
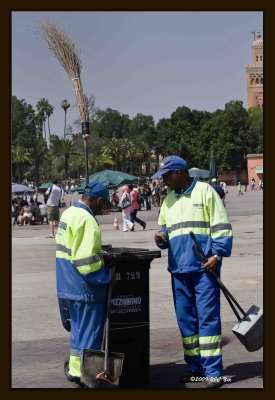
{"x": 144, "y": 225}
{"x": 213, "y": 382}
{"x": 132, "y": 229}
{"x": 191, "y": 377}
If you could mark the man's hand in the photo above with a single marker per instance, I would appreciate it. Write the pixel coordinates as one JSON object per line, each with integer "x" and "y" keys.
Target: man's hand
{"x": 160, "y": 237}
{"x": 211, "y": 264}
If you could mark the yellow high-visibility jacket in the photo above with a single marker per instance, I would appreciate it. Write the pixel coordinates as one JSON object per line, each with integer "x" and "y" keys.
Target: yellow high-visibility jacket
{"x": 80, "y": 271}
{"x": 198, "y": 209}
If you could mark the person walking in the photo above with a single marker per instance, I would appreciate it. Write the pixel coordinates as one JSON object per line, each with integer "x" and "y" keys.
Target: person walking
{"x": 53, "y": 203}
{"x": 239, "y": 188}
{"x": 195, "y": 206}
{"x": 135, "y": 208}
{"x": 82, "y": 277}
{"x": 218, "y": 188}
{"x": 125, "y": 204}
{"x": 253, "y": 183}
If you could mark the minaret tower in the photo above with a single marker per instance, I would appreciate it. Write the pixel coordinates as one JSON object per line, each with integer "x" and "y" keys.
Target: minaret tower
{"x": 254, "y": 74}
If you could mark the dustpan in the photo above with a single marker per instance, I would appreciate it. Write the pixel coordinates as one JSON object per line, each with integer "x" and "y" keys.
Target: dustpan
{"x": 249, "y": 329}
{"x": 93, "y": 364}
{"x": 100, "y": 368}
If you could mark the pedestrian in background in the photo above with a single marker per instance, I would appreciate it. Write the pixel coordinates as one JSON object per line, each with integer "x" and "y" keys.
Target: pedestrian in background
{"x": 218, "y": 188}
{"x": 135, "y": 208}
{"x": 239, "y": 188}
{"x": 53, "y": 203}
{"x": 196, "y": 206}
{"x": 253, "y": 183}
{"x": 82, "y": 276}
{"x": 126, "y": 211}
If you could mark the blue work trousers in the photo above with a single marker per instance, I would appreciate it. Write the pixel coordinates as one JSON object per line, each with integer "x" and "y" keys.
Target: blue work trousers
{"x": 87, "y": 327}
{"x": 197, "y": 306}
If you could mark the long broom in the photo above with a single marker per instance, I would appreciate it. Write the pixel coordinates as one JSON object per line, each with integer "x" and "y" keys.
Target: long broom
{"x": 65, "y": 50}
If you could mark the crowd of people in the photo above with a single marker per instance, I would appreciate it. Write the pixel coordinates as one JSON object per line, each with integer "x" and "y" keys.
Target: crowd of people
{"x": 27, "y": 210}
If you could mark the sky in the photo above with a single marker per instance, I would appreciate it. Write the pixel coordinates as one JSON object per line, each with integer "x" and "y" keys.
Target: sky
{"x": 137, "y": 62}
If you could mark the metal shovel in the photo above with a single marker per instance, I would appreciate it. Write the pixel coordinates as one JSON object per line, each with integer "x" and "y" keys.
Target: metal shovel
{"x": 249, "y": 329}
{"x": 99, "y": 367}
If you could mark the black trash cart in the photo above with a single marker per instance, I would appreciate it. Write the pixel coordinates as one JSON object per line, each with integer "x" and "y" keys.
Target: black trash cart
{"x": 129, "y": 312}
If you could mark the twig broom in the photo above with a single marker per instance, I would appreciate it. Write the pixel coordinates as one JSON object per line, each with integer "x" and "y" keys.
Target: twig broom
{"x": 68, "y": 55}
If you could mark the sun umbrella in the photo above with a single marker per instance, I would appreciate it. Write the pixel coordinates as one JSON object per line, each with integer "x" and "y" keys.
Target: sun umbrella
{"x": 212, "y": 168}
{"x": 45, "y": 186}
{"x": 112, "y": 178}
{"x": 199, "y": 173}
{"x": 16, "y": 188}
{"x": 78, "y": 188}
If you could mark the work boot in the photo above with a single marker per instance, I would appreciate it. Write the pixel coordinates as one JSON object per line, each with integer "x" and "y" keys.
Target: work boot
{"x": 191, "y": 377}
{"x": 212, "y": 382}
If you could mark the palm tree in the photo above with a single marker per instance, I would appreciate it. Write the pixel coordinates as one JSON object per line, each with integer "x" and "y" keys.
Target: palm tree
{"x": 41, "y": 107}
{"x": 113, "y": 149}
{"x": 63, "y": 147}
{"x": 99, "y": 161}
{"x": 128, "y": 150}
{"x": 41, "y": 159}
{"x": 49, "y": 110}
{"x": 65, "y": 105}
{"x": 20, "y": 156}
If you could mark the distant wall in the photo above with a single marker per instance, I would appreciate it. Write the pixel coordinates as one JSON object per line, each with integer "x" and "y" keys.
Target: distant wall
{"x": 233, "y": 177}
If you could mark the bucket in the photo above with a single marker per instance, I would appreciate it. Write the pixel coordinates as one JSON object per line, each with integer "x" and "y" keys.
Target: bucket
{"x": 93, "y": 364}
{"x": 249, "y": 330}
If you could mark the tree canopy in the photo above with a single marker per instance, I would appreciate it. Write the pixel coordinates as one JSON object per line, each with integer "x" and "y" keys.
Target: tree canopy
{"x": 120, "y": 142}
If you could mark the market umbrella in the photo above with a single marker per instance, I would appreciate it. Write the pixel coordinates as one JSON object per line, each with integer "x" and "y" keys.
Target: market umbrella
{"x": 78, "y": 188}
{"x": 212, "y": 168}
{"x": 112, "y": 178}
{"x": 45, "y": 186}
{"x": 199, "y": 173}
{"x": 17, "y": 188}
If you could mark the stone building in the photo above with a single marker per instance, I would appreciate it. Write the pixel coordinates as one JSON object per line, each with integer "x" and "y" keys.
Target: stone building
{"x": 254, "y": 74}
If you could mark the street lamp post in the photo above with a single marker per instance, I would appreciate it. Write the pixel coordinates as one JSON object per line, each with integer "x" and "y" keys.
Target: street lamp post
{"x": 85, "y": 136}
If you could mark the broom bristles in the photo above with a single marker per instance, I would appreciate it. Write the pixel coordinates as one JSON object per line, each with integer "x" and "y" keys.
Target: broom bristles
{"x": 67, "y": 53}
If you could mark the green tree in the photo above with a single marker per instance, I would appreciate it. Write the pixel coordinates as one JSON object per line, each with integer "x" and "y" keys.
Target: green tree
{"x": 110, "y": 124}
{"x": 255, "y": 135}
{"x": 113, "y": 149}
{"x": 49, "y": 111}
{"x": 20, "y": 157}
{"x": 23, "y": 123}
{"x": 225, "y": 135}
{"x": 60, "y": 147}
{"x": 42, "y": 107}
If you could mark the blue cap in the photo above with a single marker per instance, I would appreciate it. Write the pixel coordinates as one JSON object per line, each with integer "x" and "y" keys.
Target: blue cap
{"x": 170, "y": 163}
{"x": 97, "y": 190}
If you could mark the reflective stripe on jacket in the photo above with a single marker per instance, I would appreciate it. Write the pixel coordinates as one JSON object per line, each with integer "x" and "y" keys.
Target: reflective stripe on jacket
{"x": 198, "y": 209}
{"x": 80, "y": 270}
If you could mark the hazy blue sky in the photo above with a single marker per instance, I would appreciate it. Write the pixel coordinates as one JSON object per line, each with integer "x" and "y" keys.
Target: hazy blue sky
{"x": 138, "y": 62}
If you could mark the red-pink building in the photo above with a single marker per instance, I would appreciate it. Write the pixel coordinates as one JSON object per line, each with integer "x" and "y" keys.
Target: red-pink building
{"x": 255, "y": 167}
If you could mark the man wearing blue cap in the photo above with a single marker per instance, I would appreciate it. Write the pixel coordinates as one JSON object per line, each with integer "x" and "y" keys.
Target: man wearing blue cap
{"x": 195, "y": 206}
{"x": 82, "y": 277}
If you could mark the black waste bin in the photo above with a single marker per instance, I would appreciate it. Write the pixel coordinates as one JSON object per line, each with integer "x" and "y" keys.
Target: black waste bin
{"x": 129, "y": 312}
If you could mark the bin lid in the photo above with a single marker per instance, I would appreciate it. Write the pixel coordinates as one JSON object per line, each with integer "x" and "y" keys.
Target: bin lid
{"x": 129, "y": 253}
